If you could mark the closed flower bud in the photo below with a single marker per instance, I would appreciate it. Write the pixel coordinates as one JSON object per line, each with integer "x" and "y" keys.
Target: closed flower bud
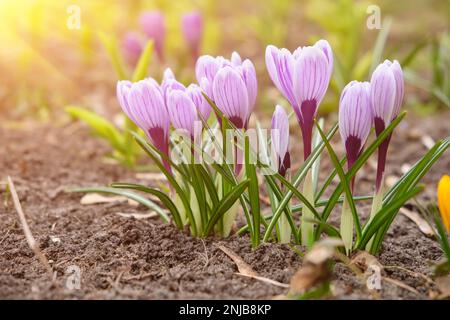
{"x": 302, "y": 77}
{"x": 192, "y": 28}
{"x": 280, "y": 139}
{"x": 154, "y": 26}
{"x": 355, "y": 118}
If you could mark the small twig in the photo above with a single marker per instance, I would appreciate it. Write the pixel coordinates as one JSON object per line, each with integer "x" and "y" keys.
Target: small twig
{"x": 401, "y": 285}
{"x": 417, "y": 274}
{"x": 26, "y": 229}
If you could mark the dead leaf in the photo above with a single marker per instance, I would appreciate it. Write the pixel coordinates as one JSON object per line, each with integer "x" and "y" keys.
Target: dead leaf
{"x": 423, "y": 225}
{"x": 151, "y": 176}
{"x": 243, "y": 267}
{"x": 401, "y": 284}
{"x": 246, "y": 270}
{"x": 316, "y": 267}
{"x": 96, "y": 198}
{"x": 138, "y": 216}
{"x": 363, "y": 260}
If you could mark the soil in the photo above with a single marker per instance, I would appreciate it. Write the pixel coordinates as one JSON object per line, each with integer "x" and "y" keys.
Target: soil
{"x": 146, "y": 259}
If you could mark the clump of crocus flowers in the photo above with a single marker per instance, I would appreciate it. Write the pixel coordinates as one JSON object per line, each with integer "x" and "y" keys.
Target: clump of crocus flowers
{"x": 230, "y": 87}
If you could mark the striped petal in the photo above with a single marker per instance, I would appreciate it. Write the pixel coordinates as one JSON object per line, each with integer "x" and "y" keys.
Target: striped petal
{"x": 231, "y": 95}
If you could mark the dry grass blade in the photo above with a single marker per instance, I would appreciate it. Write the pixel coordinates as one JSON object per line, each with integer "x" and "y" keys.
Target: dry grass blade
{"x": 26, "y": 229}
{"x": 138, "y": 216}
{"x": 423, "y": 225}
{"x": 96, "y": 198}
{"x": 246, "y": 270}
{"x": 400, "y": 284}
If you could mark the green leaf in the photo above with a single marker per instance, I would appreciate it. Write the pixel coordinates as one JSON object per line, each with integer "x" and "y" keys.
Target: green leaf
{"x": 385, "y": 214}
{"x": 298, "y": 194}
{"x": 323, "y": 202}
{"x": 356, "y": 166}
{"x": 181, "y": 193}
{"x": 408, "y": 181}
{"x": 442, "y": 235}
{"x": 299, "y": 176}
{"x": 131, "y": 195}
{"x": 253, "y": 191}
{"x": 100, "y": 126}
{"x": 225, "y": 204}
{"x": 140, "y": 72}
{"x": 161, "y": 195}
{"x": 344, "y": 182}
{"x": 112, "y": 49}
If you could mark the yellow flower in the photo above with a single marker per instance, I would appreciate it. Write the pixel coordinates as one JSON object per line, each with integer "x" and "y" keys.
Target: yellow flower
{"x": 444, "y": 200}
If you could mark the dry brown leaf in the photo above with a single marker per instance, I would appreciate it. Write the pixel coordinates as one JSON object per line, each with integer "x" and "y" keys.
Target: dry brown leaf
{"x": 315, "y": 269}
{"x": 137, "y": 216}
{"x": 243, "y": 267}
{"x": 96, "y": 198}
{"x": 423, "y": 225}
{"x": 246, "y": 270}
{"x": 401, "y": 284}
{"x": 151, "y": 176}
{"x": 363, "y": 260}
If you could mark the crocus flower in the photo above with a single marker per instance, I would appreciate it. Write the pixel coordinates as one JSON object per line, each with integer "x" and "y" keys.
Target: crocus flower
{"x": 144, "y": 104}
{"x": 153, "y": 24}
{"x": 355, "y": 119}
{"x": 192, "y": 28}
{"x": 386, "y": 94}
{"x": 232, "y": 85}
{"x": 132, "y": 47}
{"x": 444, "y": 200}
{"x": 182, "y": 111}
{"x": 280, "y": 139}
{"x": 193, "y": 91}
{"x": 302, "y": 77}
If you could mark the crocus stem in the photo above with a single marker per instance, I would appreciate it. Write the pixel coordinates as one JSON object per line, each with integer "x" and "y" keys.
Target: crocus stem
{"x": 382, "y": 154}
{"x": 377, "y": 203}
{"x": 346, "y": 227}
{"x": 306, "y": 135}
{"x": 307, "y": 227}
{"x": 283, "y": 228}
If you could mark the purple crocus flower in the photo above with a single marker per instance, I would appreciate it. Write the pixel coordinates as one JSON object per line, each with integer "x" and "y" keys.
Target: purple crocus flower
{"x": 387, "y": 90}
{"x": 182, "y": 111}
{"x": 154, "y": 26}
{"x": 144, "y": 104}
{"x": 280, "y": 139}
{"x": 195, "y": 93}
{"x": 231, "y": 84}
{"x": 192, "y": 28}
{"x": 302, "y": 77}
{"x": 355, "y": 119}
{"x": 132, "y": 47}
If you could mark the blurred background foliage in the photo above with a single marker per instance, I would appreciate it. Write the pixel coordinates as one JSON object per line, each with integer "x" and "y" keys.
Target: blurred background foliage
{"x": 46, "y": 66}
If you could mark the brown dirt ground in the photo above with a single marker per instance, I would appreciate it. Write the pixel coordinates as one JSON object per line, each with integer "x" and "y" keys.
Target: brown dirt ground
{"x": 128, "y": 258}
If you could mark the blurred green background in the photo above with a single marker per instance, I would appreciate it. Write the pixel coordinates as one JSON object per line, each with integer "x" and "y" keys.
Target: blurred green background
{"x": 46, "y": 65}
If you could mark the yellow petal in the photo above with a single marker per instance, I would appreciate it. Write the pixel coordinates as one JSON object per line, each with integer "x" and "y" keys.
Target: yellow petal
{"x": 444, "y": 200}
